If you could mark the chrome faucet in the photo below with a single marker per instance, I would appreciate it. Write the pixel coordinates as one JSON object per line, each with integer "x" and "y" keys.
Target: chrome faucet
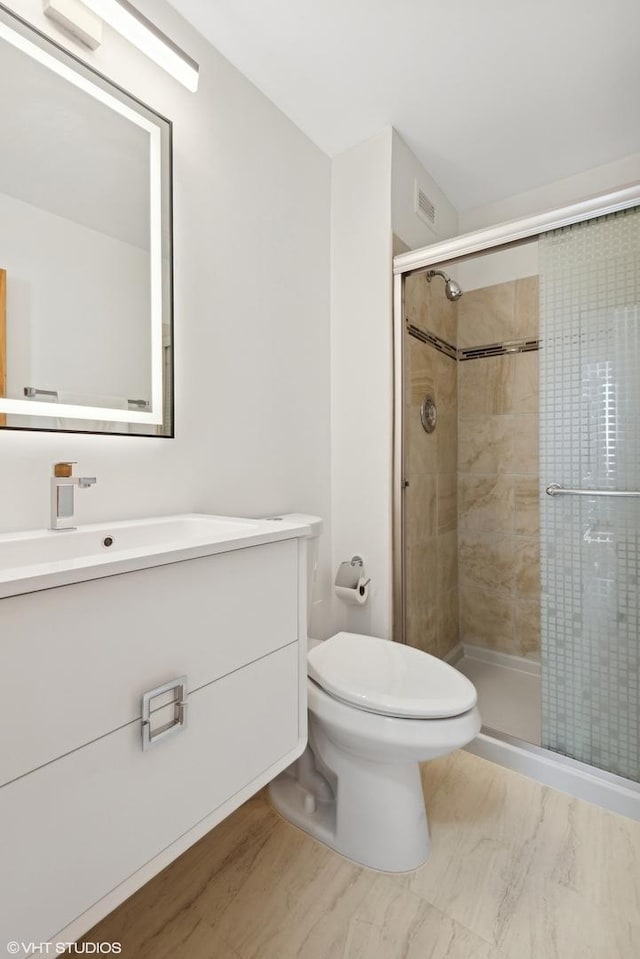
{"x": 62, "y": 487}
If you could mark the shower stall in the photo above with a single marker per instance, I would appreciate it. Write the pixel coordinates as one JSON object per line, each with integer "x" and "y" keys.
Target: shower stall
{"x": 517, "y": 485}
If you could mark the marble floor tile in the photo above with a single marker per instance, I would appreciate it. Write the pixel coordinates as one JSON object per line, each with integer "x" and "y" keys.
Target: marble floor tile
{"x": 394, "y": 923}
{"x": 605, "y": 861}
{"x": 592, "y": 854}
{"x": 517, "y": 871}
{"x": 479, "y": 824}
{"x": 434, "y": 774}
{"x": 172, "y": 914}
{"x": 502, "y": 876}
{"x": 549, "y": 920}
{"x": 297, "y": 902}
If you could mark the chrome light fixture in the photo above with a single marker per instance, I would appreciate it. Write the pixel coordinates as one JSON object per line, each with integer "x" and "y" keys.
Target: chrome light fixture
{"x": 133, "y": 26}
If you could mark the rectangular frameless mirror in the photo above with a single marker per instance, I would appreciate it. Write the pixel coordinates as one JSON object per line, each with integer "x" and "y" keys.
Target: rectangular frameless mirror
{"x": 86, "y": 328}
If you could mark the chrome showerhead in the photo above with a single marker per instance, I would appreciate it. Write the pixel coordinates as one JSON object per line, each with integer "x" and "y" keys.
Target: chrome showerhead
{"x": 452, "y": 289}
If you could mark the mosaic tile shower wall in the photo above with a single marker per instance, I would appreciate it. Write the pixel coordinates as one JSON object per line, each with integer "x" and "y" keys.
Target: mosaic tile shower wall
{"x": 590, "y": 439}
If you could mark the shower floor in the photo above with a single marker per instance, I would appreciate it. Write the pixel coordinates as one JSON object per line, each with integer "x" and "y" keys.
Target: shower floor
{"x": 508, "y": 691}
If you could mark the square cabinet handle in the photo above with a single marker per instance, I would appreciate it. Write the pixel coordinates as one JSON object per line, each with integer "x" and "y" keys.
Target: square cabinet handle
{"x": 152, "y": 735}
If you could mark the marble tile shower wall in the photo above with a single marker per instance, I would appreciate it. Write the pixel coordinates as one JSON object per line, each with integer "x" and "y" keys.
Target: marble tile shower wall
{"x": 432, "y": 465}
{"x": 498, "y": 469}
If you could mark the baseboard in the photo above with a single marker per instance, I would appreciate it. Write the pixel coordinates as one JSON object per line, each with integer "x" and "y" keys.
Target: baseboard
{"x": 499, "y": 659}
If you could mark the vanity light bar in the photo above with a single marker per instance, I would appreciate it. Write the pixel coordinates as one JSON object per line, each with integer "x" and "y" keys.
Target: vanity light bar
{"x": 135, "y": 28}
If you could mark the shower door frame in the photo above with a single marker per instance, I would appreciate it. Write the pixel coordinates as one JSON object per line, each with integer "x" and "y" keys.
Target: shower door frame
{"x": 549, "y": 767}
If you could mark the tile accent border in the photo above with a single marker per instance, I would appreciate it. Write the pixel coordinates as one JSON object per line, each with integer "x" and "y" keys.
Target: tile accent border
{"x": 471, "y": 352}
{"x": 425, "y": 336}
{"x": 498, "y": 349}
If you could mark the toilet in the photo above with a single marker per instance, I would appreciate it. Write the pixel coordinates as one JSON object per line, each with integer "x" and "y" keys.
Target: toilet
{"x": 377, "y": 709}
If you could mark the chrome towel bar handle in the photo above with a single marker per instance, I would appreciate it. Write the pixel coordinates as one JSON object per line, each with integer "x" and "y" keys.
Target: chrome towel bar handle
{"x": 556, "y": 490}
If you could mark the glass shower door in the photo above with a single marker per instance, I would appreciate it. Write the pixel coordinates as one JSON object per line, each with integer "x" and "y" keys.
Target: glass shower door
{"x": 590, "y": 448}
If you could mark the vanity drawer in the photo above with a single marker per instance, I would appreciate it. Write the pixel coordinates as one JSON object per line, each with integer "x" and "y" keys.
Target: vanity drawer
{"x": 78, "y": 827}
{"x": 67, "y": 684}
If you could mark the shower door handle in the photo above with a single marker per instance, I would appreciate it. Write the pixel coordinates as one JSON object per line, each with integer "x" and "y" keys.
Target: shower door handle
{"x": 556, "y": 490}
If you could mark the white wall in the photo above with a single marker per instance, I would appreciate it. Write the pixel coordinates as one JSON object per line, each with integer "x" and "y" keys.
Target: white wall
{"x": 372, "y": 198}
{"x": 406, "y": 169}
{"x": 71, "y": 292}
{"x": 602, "y": 179}
{"x": 361, "y": 373}
{"x": 486, "y": 270}
{"x": 251, "y": 204}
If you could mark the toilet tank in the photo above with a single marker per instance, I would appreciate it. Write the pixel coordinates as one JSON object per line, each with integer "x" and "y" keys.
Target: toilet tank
{"x": 316, "y": 525}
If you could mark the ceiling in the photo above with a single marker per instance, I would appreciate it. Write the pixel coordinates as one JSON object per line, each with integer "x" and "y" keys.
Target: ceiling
{"x": 495, "y": 97}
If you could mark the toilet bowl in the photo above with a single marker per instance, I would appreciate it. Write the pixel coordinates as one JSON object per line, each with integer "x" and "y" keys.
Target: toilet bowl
{"x": 376, "y": 710}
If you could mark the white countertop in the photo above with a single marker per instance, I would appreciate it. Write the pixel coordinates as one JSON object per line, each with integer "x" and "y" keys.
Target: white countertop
{"x": 42, "y": 559}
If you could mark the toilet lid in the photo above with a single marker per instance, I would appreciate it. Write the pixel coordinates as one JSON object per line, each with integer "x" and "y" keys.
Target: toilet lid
{"x": 389, "y": 678}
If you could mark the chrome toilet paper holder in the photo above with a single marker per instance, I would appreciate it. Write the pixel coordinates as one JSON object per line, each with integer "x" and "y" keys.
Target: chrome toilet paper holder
{"x": 349, "y": 572}
{"x": 350, "y": 584}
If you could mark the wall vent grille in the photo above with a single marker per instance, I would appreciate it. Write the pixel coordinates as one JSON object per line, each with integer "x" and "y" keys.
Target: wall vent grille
{"x": 423, "y": 206}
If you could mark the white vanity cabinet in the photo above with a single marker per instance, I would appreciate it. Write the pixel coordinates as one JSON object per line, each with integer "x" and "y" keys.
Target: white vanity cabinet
{"x": 86, "y": 813}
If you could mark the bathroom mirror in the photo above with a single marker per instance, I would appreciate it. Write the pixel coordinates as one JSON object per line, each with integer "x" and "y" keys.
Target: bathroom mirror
{"x": 85, "y": 247}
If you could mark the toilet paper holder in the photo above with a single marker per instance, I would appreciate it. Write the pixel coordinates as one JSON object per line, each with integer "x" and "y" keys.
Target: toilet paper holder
{"x": 350, "y": 584}
{"x": 349, "y": 572}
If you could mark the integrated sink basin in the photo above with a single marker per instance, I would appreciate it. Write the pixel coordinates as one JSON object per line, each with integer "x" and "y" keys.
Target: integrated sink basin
{"x": 41, "y": 559}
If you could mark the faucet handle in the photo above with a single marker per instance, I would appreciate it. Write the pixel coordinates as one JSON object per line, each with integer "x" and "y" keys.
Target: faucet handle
{"x": 64, "y": 470}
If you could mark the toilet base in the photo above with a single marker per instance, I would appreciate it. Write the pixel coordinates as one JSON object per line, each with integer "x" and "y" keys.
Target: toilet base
{"x": 378, "y": 819}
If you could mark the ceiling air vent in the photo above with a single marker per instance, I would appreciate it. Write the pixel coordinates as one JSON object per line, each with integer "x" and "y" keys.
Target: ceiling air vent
{"x": 423, "y": 206}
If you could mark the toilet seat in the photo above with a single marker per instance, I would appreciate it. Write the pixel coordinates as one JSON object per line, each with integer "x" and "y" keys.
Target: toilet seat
{"x": 388, "y": 678}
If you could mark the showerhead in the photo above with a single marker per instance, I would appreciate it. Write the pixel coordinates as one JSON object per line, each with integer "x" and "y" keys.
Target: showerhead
{"x": 452, "y": 289}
